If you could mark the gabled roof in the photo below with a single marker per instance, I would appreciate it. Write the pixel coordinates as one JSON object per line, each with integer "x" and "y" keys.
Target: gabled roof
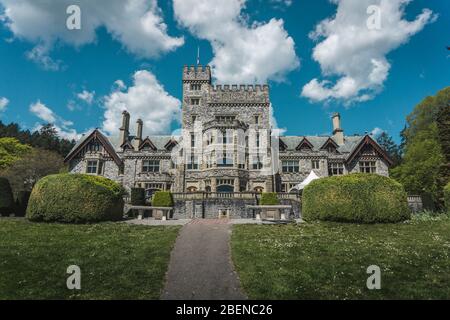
{"x": 148, "y": 142}
{"x": 86, "y": 139}
{"x": 367, "y": 140}
{"x": 170, "y": 144}
{"x": 328, "y": 142}
{"x": 127, "y": 144}
{"x": 304, "y": 142}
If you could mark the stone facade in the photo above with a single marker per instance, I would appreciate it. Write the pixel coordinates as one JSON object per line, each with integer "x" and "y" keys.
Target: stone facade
{"x": 226, "y": 145}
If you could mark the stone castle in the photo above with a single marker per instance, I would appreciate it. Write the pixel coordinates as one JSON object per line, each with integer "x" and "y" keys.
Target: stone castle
{"x": 227, "y": 145}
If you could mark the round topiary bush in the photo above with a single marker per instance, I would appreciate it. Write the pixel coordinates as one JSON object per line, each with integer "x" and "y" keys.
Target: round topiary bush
{"x": 269, "y": 199}
{"x": 447, "y": 197}
{"x": 6, "y": 197}
{"x": 75, "y": 198}
{"x": 162, "y": 199}
{"x": 360, "y": 197}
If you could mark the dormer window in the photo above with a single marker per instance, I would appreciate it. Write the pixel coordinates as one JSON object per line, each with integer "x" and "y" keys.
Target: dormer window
{"x": 195, "y": 101}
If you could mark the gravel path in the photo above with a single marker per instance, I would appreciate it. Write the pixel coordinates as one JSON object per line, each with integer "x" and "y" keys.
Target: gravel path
{"x": 200, "y": 267}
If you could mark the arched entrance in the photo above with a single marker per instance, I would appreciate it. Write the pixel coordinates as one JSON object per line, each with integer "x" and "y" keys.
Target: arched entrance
{"x": 259, "y": 189}
{"x": 225, "y": 188}
{"x": 192, "y": 189}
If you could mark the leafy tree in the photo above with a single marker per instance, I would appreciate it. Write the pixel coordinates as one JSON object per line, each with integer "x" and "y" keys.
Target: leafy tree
{"x": 11, "y": 150}
{"x": 443, "y": 125}
{"x": 45, "y": 138}
{"x": 423, "y": 156}
{"x": 388, "y": 144}
{"x": 38, "y": 163}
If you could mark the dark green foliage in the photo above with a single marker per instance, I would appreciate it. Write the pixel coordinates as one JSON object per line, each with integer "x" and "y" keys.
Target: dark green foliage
{"x": 32, "y": 166}
{"x": 443, "y": 122}
{"x": 22, "y": 203}
{"x": 269, "y": 199}
{"x": 421, "y": 171}
{"x": 162, "y": 199}
{"x": 360, "y": 197}
{"x": 75, "y": 198}
{"x": 137, "y": 196}
{"x": 392, "y": 149}
{"x": 6, "y": 197}
{"x": 447, "y": 197}
{"x": 46, "y": 138}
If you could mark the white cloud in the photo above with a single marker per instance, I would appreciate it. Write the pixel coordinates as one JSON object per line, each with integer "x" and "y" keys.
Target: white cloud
{"x": 145, "y": 99}
{"x": 41, "y": 111}
{"x": 86, "y": 96}
{"x": 355, "y": 54}
{"x": 243, "y": 52}
{"x": 46, "y": 114}
{"x": 276, "y": 131}
{"x": 137, "y": 24}
{"x": 3, "y": 103}
{"x": 376, "y": 132}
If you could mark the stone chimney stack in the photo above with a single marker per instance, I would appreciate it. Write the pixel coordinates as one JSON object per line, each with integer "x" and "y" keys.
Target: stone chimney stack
{"x": 125, "y": 128}
{"x": 138, "y": 139}
{"x": 338, "y": 133}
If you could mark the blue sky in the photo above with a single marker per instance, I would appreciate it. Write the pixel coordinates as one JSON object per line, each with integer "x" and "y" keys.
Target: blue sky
{"x": 49, "y": 85}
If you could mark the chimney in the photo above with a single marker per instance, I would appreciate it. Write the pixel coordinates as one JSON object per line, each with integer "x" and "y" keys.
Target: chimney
{"x": 138, "y": 139}
{"x": 125, "y": 128}
{"x": 338, "y": 133}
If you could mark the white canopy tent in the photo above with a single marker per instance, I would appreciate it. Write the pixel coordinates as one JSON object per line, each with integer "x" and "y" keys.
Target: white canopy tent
{"x": 312, "y": 176}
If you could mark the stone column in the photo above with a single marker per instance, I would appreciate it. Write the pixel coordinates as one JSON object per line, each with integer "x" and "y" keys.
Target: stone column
{"x": 236, "y": 184}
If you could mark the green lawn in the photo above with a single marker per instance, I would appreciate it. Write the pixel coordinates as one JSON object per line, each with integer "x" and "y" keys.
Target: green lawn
{"x": 329, "y": 260}
{"x": 117, "y": 261}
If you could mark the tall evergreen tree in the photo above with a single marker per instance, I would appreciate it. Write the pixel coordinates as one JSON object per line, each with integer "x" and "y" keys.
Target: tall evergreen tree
{"x": 45, "y": 138}
{"x": 388, "y": 144}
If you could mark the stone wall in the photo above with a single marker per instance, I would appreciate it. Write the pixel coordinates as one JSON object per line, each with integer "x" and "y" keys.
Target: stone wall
{"x": 235, "y": 208}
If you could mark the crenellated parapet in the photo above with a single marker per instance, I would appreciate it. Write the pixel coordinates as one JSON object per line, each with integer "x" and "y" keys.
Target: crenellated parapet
{"x": 197, "y": 73}
{"x": 242, "y": 94}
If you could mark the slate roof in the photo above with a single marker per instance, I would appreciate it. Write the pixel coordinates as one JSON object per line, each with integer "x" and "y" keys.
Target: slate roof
{"x": 350, "y": 142}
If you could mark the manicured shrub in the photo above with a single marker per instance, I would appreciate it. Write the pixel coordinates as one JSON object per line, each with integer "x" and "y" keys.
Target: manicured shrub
{"x": 22, "y": 203}
{"x": 269, "y": 199}
{"x": 360, "y": 197}
{"x": 447, "y": 197}
{"x": 6, "y": 197}
{"x": 162, "y": 199}
{"x": 137, "y": 196}
{"x": 75, "y": 198}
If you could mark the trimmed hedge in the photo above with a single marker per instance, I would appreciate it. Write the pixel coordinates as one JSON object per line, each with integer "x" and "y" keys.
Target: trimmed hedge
{"x": 162, "y": 199}
{"x": 137, "y": 196}
{"x": 75, "y": 198}
{"x": 447, "y": 197}
{"x": 269, "y": 199}
{"x": 359, "y": 197}
{"x": 6, "y": 197}
{"x": 22, "y": 203}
